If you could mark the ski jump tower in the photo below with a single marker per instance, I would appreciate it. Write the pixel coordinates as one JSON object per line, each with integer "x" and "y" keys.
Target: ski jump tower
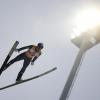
{"x": 84, "y": 42}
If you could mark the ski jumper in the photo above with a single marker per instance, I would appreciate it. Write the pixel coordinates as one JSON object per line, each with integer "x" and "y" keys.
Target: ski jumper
{"x": 29, "y": 56}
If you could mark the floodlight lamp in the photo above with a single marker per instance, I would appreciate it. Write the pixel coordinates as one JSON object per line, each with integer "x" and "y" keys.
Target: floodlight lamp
{"x": 91, "y": 36}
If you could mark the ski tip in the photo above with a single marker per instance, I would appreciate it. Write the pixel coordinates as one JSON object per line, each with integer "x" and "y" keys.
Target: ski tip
{"x": 17, "y": 41}
{"x": 54, "y": 68}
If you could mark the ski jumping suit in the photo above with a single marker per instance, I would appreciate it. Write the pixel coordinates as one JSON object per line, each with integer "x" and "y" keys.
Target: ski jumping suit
{"x": 32, "y": 52}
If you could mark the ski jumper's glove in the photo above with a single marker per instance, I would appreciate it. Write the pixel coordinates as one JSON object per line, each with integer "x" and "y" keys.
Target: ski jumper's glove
{"x": 32, "y": 62}
{"x": 16, "y": 50}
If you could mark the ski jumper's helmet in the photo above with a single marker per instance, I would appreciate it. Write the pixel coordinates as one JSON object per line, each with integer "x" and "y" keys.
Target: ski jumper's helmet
{"x": 40, "y": 45}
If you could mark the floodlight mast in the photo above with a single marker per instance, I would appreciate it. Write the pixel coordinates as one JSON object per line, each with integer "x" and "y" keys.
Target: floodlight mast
{"x": 84, "y": 42}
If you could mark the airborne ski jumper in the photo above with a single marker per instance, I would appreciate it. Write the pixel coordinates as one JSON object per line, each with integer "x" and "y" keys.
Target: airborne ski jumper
{"x": 29, "y": 56}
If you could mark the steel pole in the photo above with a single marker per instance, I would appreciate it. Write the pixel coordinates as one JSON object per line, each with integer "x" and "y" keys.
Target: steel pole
{"x": 72, "y": 76}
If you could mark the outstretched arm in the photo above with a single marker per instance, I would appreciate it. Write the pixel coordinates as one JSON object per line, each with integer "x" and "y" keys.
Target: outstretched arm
{"x": 26, "y": 47}
{"x": 32, "y": 62}
{"x": 34, "y": 58}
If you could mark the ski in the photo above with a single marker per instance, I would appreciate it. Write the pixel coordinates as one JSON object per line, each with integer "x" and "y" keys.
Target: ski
{"x": 37, "y": 76}
{"x": 10, "y": 52}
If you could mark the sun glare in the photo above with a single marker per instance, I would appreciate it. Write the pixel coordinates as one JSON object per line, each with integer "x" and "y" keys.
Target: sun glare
{"x": 86, "y": 20}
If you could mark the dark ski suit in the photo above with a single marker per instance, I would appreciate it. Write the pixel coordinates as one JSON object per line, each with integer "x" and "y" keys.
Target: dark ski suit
{"x": 32, "y": 52}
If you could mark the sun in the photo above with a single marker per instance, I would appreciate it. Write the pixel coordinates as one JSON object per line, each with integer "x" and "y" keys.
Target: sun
{"x": 86, "y": 19}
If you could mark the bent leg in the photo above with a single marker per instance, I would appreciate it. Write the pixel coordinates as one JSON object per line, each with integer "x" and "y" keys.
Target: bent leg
{"x": 25, "y": 65}
{"x": 19, "y": 57}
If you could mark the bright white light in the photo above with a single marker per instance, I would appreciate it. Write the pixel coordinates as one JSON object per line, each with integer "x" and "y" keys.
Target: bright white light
{"x": 86, "y": 20}
{"x": 76, "y": 33}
